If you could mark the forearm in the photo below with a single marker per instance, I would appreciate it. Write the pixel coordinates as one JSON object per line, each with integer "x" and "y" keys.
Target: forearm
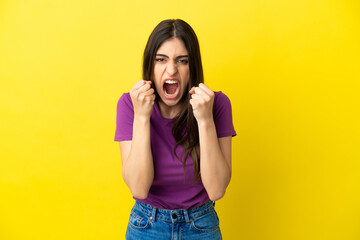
{"x": 138, "y": 168}
{"x": 215, "y": 171}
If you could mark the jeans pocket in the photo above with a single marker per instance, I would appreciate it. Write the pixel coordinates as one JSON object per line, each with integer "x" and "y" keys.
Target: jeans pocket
{"x": 206, "y": 223}
{"x": 138, "y": 219}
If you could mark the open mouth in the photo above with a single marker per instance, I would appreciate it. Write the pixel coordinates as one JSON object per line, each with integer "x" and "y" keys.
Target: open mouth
{"x": 171, "y": 88}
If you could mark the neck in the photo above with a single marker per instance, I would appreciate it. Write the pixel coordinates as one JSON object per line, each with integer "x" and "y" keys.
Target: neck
{"x": 169, "y": 111}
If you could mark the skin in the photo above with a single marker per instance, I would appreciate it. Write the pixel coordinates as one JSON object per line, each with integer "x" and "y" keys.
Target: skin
{"x": 136, "y": 155}
{"x": 171, "y": 62}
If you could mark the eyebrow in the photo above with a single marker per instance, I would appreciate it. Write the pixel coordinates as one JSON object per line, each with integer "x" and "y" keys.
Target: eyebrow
{"x": 180, "y": 56}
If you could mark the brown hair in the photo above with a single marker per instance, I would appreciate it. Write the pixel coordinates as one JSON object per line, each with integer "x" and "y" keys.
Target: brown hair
{"x": 185, "y": 130}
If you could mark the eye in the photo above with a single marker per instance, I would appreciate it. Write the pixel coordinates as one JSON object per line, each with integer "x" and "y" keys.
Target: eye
{"x": 184, "y": 61}
{"x": 159, "y": 59}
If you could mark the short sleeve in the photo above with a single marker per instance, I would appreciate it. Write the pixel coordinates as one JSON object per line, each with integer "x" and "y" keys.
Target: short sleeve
{"x": 124, "y": 118}
{"x": 223, "y": 116}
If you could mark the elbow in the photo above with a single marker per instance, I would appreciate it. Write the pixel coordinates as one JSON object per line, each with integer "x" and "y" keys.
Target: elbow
{"x": 140, "y": 194}
{"x": 216, "y": 192}
{"x": 138, "y": 191}
{"x": 216, "y": 195}
{"x": 138, "y": 188}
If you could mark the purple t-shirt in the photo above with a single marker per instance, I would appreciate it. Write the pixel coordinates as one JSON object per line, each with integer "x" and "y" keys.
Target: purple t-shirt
{"x": 170, "y": 189}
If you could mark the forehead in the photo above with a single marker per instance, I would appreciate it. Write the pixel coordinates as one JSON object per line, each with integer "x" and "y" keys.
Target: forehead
{"x": 172, "y": 47}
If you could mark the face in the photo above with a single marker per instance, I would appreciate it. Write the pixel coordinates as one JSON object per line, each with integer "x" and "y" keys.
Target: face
{"x": 171, "y": 72}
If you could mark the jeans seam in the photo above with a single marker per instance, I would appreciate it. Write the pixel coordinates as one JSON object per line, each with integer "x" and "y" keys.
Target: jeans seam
{"x": 137, "y": 227}
{"x": 204, "y": 230}
{"x": 142, "y": 211}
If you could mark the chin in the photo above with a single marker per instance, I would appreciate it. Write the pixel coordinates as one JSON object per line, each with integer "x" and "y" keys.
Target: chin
{"x": 170, "y": 102}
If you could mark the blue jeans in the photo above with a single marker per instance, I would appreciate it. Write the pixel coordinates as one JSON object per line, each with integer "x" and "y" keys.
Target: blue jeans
{"x": 148, "y": 222}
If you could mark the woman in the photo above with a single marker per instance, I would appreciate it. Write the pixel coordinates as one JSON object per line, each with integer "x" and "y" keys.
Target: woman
{"x": 175, "y": 141}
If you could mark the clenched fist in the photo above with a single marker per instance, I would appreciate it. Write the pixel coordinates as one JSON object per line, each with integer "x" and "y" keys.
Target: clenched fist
{"x": 202, "y": 100}
{"x": 142, "y": 97}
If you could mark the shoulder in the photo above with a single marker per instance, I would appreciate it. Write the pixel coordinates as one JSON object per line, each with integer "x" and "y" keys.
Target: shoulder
{"x": 125, "y": 97}
{"x": 221, "y": 99}
{"x": 222, "y": 105}
{"x": 125, "y": 101}
{"x": 222, "y": 113}
{"x": 124, "y": 118}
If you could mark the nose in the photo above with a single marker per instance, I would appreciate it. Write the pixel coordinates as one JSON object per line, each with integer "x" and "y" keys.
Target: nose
{"x": 171, "y": 68}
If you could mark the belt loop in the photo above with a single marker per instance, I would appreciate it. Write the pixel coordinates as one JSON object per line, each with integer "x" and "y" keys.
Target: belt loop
{"x": 153, "y": 214}
{"x": 186, "y": 215}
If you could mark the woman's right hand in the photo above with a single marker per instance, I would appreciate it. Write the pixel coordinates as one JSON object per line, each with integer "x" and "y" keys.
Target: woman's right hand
{"x": 142, "y": 97}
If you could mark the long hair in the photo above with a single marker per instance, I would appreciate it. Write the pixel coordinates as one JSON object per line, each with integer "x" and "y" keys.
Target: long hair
{"x": 185, "y": 129}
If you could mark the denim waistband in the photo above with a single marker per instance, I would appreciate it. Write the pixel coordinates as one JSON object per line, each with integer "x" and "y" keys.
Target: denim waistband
{"x": 177, "y": 215}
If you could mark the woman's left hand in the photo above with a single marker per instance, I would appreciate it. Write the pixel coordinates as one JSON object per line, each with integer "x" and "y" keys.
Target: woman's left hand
{"x": 202, "y": 100}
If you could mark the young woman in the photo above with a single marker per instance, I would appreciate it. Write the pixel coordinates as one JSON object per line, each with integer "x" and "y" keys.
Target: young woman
{"x": 175, "y": 136}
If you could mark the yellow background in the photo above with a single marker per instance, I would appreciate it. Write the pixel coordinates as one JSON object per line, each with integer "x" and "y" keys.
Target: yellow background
{"x": 290, "y": 68}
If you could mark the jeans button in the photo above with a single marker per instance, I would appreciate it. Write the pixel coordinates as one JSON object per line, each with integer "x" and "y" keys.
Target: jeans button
{"x": 174, "y": 216}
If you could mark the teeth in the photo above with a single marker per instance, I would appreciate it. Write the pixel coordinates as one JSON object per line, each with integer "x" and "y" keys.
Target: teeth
{"x": 170, "y": 82}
